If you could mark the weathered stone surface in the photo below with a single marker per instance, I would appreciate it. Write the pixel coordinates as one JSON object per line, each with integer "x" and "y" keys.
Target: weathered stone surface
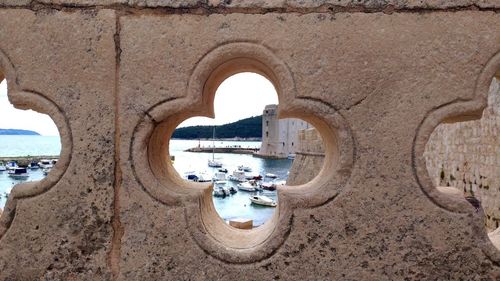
{"x": 383, "y": 72}
{"x": 374, "y": 85}
{"x": 280, "y": 4}
{"x": 62, "y": 64}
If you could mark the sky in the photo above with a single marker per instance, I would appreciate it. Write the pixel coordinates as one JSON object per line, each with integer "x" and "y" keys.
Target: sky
{"x": 12, "y": 118}
{"x": 239, "y": 96}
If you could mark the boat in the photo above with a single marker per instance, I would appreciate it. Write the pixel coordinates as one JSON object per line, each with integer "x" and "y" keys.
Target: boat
{"x": 197, "y": 177}
{"x": 238, "y": 176}
{"x": 263, "y": 200}
{"x": 46, "y": 171}
{"x": 222, "y": 170}
{"x": 220, "y": 192}
{"x": 247, "y": 186}
{"x": 212, "y": 162}
{"x": 270, "y": 175}
{"x": 12, "y": 165}
{"x": 19, "y": 173}
{"x": 244, "y": 168}
{"x": 253, "y": 177}
{"x": 268, "y": 186}
{"x": 33, "y": 165}
{"x": 232, "y": 190}
{"x": 45, "y": 164}
{"x": 291, "y": 156}
{"x": 219, "y": 176}
{"x": 2, "y": 167}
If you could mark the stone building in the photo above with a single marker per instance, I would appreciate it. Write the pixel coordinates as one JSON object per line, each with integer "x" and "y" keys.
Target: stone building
{"x": 309, "y": 157}
{"x": 374, "y": 77}
{"x": 466, "y": 155}
{"x": 279, "y": 136}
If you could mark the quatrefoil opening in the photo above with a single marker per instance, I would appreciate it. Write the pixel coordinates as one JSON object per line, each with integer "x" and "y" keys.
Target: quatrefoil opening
{"x": 162, "y": 182}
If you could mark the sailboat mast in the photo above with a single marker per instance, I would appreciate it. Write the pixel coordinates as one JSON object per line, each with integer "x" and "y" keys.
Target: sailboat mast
{"x": 213, "y": 144}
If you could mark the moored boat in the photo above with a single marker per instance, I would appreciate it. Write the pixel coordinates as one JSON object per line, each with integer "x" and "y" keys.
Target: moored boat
{"x": 247, "y": 186}
{"x": 263, "y": 200}
{"x": 46, "y": 171}
{"x": 270, "y": 175}
{"x": 33, "y": 165}
{"x": 19, "y": 173}
{"x": 238, "y": 176}
{"x": 244, "y": 168}
{"x": 11, "y": 165}
{"x": 268, "y": 186}
{"x": 45, "y": 164}
{"x": 2, "y": 167}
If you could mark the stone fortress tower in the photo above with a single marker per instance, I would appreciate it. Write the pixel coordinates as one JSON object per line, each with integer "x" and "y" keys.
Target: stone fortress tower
{"x": 279, "y": 136}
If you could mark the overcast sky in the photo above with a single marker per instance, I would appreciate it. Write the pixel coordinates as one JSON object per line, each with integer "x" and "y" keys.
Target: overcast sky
{"x": 240, "y": 96}
{"x": 12, "y": 118}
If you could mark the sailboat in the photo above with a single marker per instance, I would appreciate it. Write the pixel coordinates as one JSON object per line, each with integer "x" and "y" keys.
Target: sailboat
{"x": 212, "y": 162}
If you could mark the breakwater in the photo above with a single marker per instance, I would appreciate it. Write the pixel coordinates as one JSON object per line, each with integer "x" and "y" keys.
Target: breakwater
{"x": 235, "y": 150}
{"x": 26, "y": 160}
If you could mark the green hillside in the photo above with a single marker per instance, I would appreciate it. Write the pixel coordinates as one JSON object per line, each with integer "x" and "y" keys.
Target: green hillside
{"x": 245, "y": 128}
{"x": 18, "y": 132}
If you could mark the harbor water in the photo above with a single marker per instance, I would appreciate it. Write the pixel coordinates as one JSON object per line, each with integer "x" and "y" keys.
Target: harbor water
{"x": 230, "y": 207}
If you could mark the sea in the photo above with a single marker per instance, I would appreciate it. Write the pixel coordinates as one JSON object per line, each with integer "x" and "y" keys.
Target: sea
{"x": 231, "y": 207}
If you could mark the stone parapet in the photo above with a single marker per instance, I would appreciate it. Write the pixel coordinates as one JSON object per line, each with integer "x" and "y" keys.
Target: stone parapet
{"x": 283, "y": 5}
{"x": 117, "y": 79}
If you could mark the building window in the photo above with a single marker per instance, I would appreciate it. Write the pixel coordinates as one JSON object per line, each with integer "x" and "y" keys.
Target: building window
{"x": 283, "y": 143}
{"x": 267, "y": 134}
{"x": 267, "y": 123}
{"x": 292, "y": 143}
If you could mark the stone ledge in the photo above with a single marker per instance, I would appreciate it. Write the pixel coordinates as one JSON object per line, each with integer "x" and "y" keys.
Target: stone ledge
{"x": 291, "y": 5}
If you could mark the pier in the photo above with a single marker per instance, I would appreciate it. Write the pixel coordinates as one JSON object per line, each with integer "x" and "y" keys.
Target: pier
{"x": 230, "y": 149}
{"x": 26, "y": 160}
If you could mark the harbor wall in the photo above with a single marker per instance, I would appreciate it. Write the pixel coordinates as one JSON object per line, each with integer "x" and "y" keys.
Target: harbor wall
{"x": 466, "y": 155}
{"x": 309, "y": 157}
{"x": 374, "y": 77}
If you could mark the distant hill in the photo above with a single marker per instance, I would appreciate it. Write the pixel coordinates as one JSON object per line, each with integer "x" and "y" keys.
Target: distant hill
{"x": 18, "y": 132}
{"x": 244, "y": 128}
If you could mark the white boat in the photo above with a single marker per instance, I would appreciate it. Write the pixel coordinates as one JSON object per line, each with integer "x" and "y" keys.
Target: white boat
{"x": 291, "y": 156}
{"x": 220, "y": 192}
{"x": 218, "y": 176}
{"x": 195, "y": 176}
{"x": 268, "y": 186}
{"x": 46, "y": 171}
{"x": 19, "y": 173}
{"x": 270, "y": 175}
{"x": 45, "y": 164}
{"x": 244, "y": 168}
{"x": 214, "y": 163}
{"x": 238, "y": 176}
{"x": 12, "y": 165}
{"x": 263, "y": 200}
{"x": 2, "y": 167}
{"x": 247, "y": 186}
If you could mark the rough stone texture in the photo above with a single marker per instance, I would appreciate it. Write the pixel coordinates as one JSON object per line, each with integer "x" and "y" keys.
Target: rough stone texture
{"x": 381, "y": 226}
{"x": 309, "y": 158}
{"x": 64, "y": 60}
{"x": 387, "y": 5}
{"x": 374, "y": 84}
{"x": 466, "y": 155}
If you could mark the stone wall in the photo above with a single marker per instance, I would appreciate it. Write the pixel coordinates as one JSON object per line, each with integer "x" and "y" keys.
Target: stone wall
{"x": 309, "y": 157}
{"x": 373, "y": 77}
{"x": 466, "y": 155}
